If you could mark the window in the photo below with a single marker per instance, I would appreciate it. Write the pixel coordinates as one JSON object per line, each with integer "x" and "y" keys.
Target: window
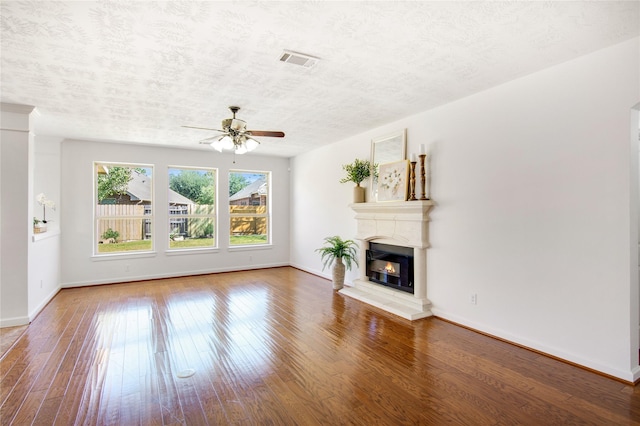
{"x": 123, "y": 209}
{"x": 192, "y": 208}
{"x": 249, "y": 207}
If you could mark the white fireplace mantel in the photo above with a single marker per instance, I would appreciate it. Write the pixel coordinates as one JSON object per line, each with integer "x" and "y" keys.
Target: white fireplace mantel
{"x": 400, "y": 223}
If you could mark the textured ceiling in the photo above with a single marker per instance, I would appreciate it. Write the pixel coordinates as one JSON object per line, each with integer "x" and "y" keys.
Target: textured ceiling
{"x": 136, "y": 71}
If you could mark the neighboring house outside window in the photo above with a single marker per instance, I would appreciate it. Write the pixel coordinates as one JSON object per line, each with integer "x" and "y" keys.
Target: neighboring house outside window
{"x": 192, "y": 208}
{"x": 123, "y": 209}
{"x": 249, "y": 208}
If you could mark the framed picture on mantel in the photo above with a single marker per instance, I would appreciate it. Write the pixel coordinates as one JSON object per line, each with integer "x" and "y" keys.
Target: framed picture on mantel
{"x": 393, "y": 179}
{"x": 386, "y": 149}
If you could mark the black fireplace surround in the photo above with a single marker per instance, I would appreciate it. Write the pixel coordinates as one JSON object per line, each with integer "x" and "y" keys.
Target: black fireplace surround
{"x": 391, "y": 266}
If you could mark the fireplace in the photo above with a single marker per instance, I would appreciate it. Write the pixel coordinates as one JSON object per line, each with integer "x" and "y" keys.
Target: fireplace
{"x": 394, "y": 237}
{"x": 391, "y": 266}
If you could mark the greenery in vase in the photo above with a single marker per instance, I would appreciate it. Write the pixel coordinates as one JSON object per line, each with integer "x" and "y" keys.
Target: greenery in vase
{"x": 335, "y": 247}
{"x": 357, "y": 171}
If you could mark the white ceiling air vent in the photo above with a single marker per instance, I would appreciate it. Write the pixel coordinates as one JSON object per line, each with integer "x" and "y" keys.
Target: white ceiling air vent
{"x": 296, "y": 58}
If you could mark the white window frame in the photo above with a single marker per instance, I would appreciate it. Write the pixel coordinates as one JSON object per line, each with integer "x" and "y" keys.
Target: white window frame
{"x": 97, "y": 218}
{"x": 266, "y": 215}
{"x": 213, "y": 216}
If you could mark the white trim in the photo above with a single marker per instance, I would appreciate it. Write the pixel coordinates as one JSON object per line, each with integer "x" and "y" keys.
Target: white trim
{"x": 250, "y": 247}
{"x": 124, "y": 279}
{"x": 14, "y": 322}
{"x": 42, "y": 304}
{"x": 188, "y": 251}
{"x": 17, "y": 108}
{"x": 537, "y": 346}
{"x": 120, "y": 256}
{"x": 15, "y": 117}
{"x": 320, "y": 274}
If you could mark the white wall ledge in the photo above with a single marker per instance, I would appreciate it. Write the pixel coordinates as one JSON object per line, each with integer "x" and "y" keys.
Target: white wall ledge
{"x": 45, "y": 235}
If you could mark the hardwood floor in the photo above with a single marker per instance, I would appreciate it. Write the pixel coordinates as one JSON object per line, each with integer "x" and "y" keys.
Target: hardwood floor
{"x": 279, "y": 347}
{"x": 8, "y": 336}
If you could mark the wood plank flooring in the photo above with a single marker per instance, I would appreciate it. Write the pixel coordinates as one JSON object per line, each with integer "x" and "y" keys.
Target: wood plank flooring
{"x": 8, "y": 336}
{"x": 279, "y": 347}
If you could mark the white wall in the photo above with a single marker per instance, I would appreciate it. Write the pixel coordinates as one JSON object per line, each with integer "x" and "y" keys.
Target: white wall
{"x": 46, "y": 179}
{"x": 44, "y": 249}
{"x": 531, "y": 181}
{"x": 30, "y": 264}
{"x": 79, "y": 267}
{"x": 16, "y": 144}
{"x": 320, "y": 203}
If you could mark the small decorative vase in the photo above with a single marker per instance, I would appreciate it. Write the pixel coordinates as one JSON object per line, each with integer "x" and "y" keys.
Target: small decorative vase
{"x": 358, "y": 194}
{"x": 338, "y": 274}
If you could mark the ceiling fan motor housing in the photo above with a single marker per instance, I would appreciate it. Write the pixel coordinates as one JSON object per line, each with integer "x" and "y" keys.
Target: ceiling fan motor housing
{"x": 234, "y": 124}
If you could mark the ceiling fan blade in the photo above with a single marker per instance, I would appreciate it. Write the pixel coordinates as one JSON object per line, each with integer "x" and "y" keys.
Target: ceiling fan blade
{"x": 265, "y": 133}
{"x": 203, "y": 128}
{"x": 211, "y": 139}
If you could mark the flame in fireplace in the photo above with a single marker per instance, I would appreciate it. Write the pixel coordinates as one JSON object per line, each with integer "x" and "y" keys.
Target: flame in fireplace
{"x": 389, "y": 268}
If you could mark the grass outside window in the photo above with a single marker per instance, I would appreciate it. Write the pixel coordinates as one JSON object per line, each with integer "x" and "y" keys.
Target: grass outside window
{"x": 127, "y": 246}
{"x": 192, "y": 243}
{"x": 241, "y": 240}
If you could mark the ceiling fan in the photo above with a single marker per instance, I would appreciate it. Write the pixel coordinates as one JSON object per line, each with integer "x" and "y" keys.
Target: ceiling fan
{"x": 235, "y": 135}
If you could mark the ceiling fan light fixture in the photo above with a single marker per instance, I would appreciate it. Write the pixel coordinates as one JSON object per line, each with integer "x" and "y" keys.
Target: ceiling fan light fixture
{"x": 241, "y": 149}
{"x": 217, "y": 145}
{"x": 251, "y": 144}
{"x": 223, "y": 142}
{"x": 227, "y": 142}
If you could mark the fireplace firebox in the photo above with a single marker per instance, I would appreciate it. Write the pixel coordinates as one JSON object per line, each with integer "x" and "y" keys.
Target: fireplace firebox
{"x": 391, "y": 266}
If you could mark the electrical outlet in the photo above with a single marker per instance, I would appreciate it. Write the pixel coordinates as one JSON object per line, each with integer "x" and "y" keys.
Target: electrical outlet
{"x": 473, "y": 298}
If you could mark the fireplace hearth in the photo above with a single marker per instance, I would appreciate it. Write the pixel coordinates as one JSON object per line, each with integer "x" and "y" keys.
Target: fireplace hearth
{"x": 394, "y": 237}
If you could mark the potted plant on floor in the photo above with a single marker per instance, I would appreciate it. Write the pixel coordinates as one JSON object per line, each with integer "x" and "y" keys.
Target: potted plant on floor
{"x": 342, "y": 254}
{"x": 357, "y": 171}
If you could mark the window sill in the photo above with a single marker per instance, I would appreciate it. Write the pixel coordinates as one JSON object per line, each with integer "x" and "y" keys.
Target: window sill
{"x": 251, "y": 247}
{"x": 120, "y": 256}
{"x": 183, "y": 252}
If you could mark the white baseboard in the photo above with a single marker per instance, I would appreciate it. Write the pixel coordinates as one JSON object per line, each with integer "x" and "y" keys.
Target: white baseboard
{"x": 123, "y": 279}
{"x": 41, "y": 306}
{"x": 321, "y": 274}
{"x": 13, "y": 322}
{"x": 636, "y": 374}
{"x": 627, "y": 376}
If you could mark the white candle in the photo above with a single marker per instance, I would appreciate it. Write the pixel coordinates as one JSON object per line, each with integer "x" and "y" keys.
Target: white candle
{"x": 413, "y": 158}
{"x": 423, "y": 149}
